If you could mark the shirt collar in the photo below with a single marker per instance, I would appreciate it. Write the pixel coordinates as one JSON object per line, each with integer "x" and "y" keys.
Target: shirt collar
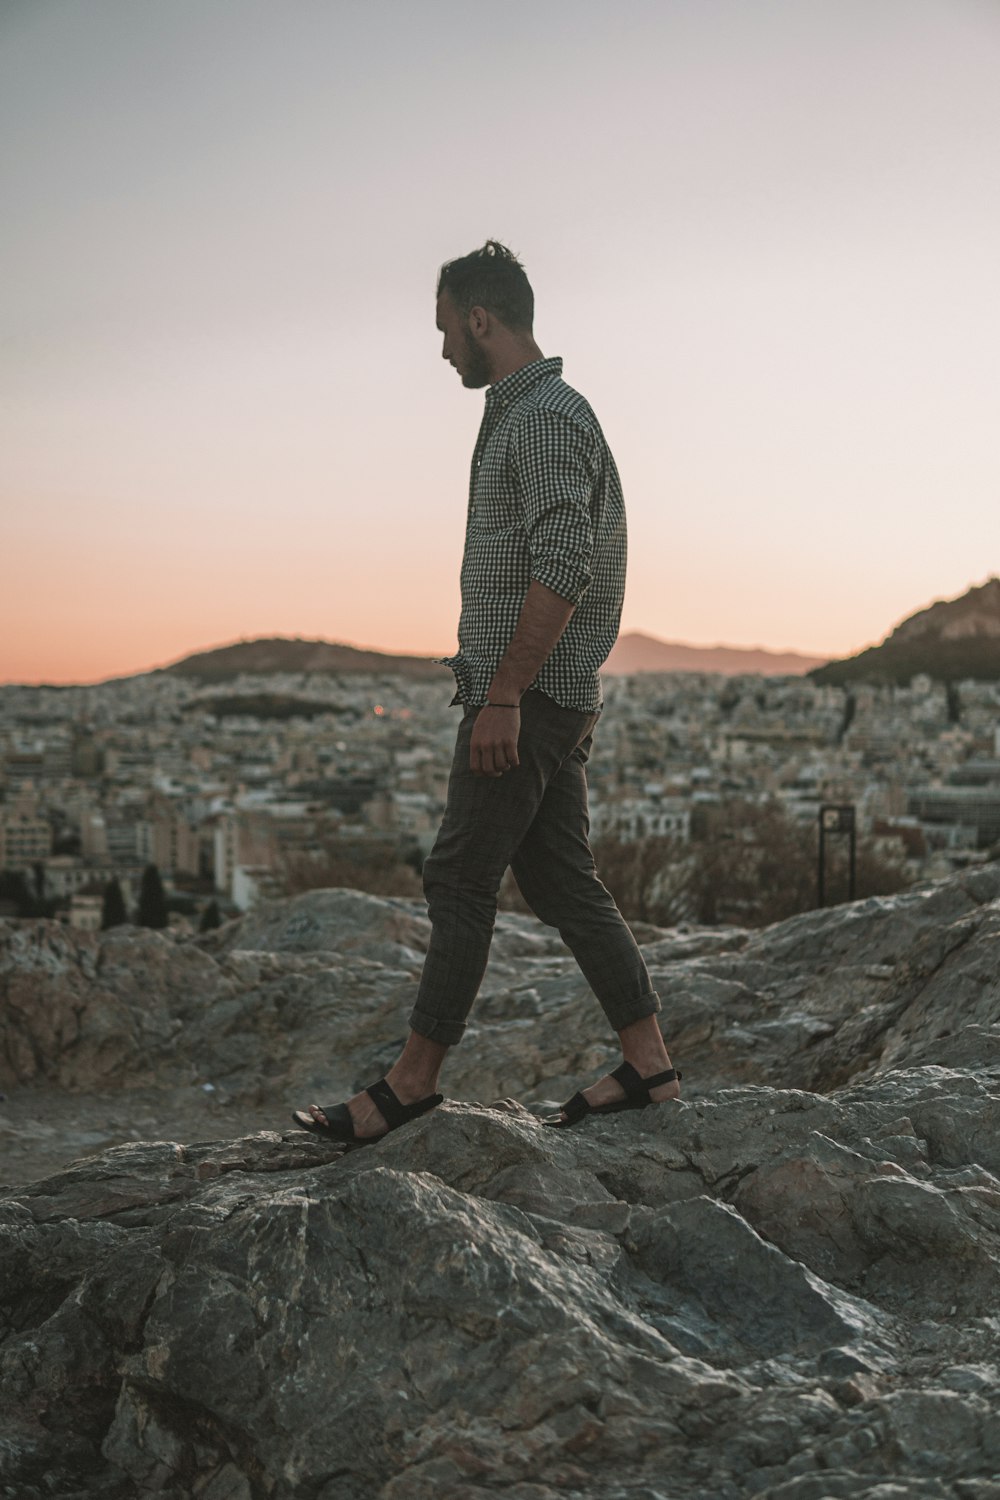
{"x": 512, "y": 387}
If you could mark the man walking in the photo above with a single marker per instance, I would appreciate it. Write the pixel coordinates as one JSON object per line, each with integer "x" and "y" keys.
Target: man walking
{"x": 543, "y": 579}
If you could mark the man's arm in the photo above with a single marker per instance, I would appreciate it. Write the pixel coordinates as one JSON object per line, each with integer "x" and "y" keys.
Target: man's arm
{"x": 553, "y": 457}
{"x": 544, "y": 616}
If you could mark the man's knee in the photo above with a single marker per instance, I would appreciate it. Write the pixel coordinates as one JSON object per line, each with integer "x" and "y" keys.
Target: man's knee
{"x": 570, "y": 900}
{"x": 447, "y": 878}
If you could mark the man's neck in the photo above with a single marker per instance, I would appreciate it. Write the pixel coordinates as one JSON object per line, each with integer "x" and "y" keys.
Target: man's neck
{"x": 507, "y": 360}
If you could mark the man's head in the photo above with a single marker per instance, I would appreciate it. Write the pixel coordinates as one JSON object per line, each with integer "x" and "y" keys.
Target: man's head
{"x": 491, "y": 278}
{"x": 485, "y": 309}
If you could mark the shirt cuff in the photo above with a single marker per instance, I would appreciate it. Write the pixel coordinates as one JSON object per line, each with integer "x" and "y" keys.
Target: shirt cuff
{"x": 570, "y": 583}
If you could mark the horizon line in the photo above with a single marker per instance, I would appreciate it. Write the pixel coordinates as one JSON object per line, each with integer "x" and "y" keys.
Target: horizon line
{"x": 816, "y": 657}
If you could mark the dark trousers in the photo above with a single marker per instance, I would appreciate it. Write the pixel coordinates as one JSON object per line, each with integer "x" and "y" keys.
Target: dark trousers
{"x": 533, "y": 818}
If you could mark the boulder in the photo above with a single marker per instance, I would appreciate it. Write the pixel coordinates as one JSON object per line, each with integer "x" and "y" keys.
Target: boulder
{"x": 309, "y": 998}
{"x": 744, "y": 1295}
{"x": 784, "y": 1285}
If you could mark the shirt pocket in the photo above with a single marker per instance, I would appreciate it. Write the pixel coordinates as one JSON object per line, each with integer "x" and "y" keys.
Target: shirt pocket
{"x": 493, "y": 510}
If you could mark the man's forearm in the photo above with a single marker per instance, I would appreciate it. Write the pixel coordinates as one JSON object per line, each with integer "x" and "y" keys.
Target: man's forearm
{"x": 544, "y": 616}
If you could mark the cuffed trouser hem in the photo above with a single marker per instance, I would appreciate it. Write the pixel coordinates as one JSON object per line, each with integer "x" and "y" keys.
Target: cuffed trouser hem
{"x": 622, "y": 1015}
{"x": 445, "y": 1033}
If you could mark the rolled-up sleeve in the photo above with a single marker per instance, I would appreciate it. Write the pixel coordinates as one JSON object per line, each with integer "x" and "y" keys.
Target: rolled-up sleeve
{"x": 555, "y": 463}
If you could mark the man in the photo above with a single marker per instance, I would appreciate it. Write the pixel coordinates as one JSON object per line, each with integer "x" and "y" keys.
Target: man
{"x": 543, "y": 579}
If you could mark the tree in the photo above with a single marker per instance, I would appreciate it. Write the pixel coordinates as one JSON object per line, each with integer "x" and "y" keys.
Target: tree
{"x": 14, "y": 888}
{"x": 152, "y": 899}
{"x": 378, "y": 866}
{"x": 113, "y": 912}
{"x": 758, "y": 865}
{"x": 649, "y": 878}
{"x": 748, "y": 863}
{"x": 211, "y": 917}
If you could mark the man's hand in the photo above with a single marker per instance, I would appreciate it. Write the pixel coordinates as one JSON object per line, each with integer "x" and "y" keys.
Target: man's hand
{"x": 494, "y": 741}
{"x": 543, "y": 618}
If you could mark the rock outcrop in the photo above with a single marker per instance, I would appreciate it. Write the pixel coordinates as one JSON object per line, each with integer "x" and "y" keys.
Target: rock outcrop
{"x": 785, "y": 1285}
{"x": 314, "y": 992}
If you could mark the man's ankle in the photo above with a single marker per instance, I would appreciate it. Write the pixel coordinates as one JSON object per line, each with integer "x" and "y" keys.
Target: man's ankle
{"x": 648, "y": 1064}
{"x": 411, "y": 1086}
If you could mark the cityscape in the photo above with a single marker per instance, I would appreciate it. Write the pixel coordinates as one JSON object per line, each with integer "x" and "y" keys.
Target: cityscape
{"x": 294, "y": 780}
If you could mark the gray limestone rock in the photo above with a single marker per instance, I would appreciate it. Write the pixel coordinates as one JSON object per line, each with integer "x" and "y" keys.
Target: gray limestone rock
{"x": 478, "y": 1304}
{"x": 786, "y": 1285}
{"x": 312, "y": 994}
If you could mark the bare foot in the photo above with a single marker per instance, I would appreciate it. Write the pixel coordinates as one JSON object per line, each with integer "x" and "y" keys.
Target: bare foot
{"x": 368, "y": 1121}
{"x": 412, "y": 1078}
{"x": 608, "y": 1090}
{"x": 644, "y": 1056}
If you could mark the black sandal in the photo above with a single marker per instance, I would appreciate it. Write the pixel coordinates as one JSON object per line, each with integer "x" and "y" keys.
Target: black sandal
{"x": 637, "y": 1096}
{"x": 340, "y": 1127}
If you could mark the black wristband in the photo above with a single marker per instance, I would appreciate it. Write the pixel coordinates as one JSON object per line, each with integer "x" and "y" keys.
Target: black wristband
{"x": 488, "y": 704}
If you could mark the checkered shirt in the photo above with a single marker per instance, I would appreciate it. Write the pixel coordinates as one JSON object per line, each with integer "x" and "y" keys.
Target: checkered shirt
{"x": 545, "y": 502}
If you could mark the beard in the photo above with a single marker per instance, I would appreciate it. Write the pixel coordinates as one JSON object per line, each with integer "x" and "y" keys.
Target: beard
{"x": 477, "y": 369}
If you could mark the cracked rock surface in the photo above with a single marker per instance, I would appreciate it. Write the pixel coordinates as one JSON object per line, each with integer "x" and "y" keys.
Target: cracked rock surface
{"x": 785, "y": 1285}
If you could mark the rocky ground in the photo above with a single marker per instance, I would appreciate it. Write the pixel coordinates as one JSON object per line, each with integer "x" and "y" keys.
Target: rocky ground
{"x": 785, "y": 1285}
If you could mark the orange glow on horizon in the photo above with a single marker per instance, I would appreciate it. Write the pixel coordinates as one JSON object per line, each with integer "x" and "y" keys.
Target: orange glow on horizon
{"x": 225, "y": 418}
{"x": 46, "y": 657}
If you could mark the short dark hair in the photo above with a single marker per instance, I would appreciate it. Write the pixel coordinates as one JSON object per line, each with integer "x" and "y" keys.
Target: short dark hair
{"x": 492, "y": 278}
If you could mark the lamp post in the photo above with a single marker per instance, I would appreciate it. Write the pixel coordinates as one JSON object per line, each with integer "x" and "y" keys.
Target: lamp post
{"x": 835, "y": 818}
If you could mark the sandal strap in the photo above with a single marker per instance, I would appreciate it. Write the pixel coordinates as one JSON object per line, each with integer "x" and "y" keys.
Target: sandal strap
{"x": 339, "y": 1117}
{"x": 574, "y": 1109}
{"x": 637, "y": 1087}
{"x": 392, "y": 1110}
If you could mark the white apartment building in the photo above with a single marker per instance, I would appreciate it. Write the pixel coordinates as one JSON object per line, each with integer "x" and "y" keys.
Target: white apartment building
{"x": 66, "y": 875}
{"x": 93, "y": 835}
{"x": 24, "y": 839}
{"x": 85, "y": 913}
{"x": 226, "y": 851}
{"x": 253, "y": 883}
{"x": 643, "y": 817}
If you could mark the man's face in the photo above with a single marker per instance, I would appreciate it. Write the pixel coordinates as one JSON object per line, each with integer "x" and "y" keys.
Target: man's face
{"x": 460, "y": 348}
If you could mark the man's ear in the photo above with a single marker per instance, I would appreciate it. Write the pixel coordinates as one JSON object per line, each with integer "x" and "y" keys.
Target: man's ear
{"x": 479, "y": 322}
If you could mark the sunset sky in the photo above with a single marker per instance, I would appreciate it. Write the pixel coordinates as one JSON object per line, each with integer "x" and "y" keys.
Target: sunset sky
{"x": 763, "y": 234}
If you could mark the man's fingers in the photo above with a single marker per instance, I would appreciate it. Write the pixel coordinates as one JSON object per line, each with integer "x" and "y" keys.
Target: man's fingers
{"x": 492, "y": 756}
{"x": 505, "y": 756}
{"x": 482, "y": 761}
{"x": 491, "y": 761}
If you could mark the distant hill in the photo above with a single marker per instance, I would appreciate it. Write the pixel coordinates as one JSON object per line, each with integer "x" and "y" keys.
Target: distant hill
{"x": 635, "y": 652}
{"x": 282, "y": 655}
{"x": 949, "y": 640}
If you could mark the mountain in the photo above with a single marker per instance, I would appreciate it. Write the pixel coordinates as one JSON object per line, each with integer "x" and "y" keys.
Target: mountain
{"x": 636, "y": 652}
{"x": 279, "y": 654}
{"x": 949, "y": 640}
{"x": 632, "y": 653}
